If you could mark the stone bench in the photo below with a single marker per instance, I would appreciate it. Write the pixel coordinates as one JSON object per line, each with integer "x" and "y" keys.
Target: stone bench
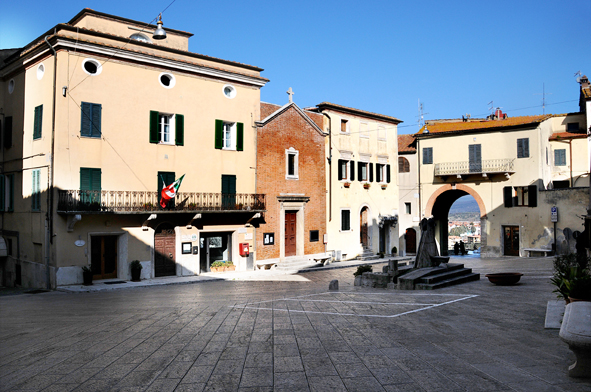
{"x": 576, "y": 332}
{"x": 323, "y": 260}
{"x": 537, "y": 250}
{"x": 266, "y": 265}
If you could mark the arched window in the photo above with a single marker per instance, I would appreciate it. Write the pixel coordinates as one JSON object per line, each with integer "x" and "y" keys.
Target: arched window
{"x": 403, "y": 165}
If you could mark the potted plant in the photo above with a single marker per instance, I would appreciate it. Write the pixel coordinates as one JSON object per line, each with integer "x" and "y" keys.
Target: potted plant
{"x": 384, "y": 186}
{"x": 366, "y": 185}
{"x": 217, "y": 266}
{"x": 394, "y": 251}
{"x": 229, "y": 266}
{"x": 136, "y": 270}
{"x": 346, "y": 184}
{"x": 87, "y": 275}
{"x": 571, "y": 277}
{"x": 361, "y": 269}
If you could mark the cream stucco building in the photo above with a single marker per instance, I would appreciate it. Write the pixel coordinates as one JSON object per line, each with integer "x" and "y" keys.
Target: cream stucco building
{"x": 516, "y": 169}
{"x": 96, "y": 117}
{"x": 362, "y": 185}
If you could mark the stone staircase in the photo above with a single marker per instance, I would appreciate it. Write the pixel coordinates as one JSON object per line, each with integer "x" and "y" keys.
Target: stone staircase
{"x": 295, "y": 263}
{"x": 436, "y": 277}
{"x": 367, "y": 254}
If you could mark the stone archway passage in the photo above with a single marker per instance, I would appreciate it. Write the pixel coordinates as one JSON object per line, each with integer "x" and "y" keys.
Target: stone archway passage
{"x": 439, "y": 204}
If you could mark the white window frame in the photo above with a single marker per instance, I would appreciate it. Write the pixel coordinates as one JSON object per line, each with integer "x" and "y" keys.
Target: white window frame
{"x": 347, "y": 165}
{"x": 380, "y": 173}
{"x": 166, "y": 129}
{"x": 229, "y": 136}
{"x": 350, "y": 225}
{"x": 296, "y": 155}
{"x": 359, "y": 174}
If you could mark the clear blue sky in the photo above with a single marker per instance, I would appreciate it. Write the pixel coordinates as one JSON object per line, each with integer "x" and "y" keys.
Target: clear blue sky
{"x": 379, "y": 56}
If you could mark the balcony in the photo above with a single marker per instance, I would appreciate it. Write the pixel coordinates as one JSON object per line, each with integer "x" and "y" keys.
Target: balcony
{"x": 482, "y": 168}
{"x": 139, "y": 202}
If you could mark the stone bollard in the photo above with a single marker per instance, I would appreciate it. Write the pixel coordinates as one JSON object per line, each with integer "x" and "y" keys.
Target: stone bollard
{"x": 576, "y": 332}
{"x": 392, "y": 267}
{"x": 333, "y": 285}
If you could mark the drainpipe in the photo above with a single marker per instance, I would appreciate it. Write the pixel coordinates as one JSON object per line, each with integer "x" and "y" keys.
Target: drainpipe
{"x": 49, "y": 216}
{"x": 329, "y": 166}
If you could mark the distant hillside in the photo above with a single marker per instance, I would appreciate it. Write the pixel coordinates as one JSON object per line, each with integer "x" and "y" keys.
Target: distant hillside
{"x": 464, "y": 209}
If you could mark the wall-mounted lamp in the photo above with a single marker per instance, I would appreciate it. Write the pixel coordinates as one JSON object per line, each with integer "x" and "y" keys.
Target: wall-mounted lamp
{"x": 64, "y": 90}
{"x": 159, "y": 33}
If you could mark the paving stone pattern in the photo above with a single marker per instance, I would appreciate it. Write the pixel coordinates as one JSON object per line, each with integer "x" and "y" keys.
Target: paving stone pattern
{"x": 286, "y": 335}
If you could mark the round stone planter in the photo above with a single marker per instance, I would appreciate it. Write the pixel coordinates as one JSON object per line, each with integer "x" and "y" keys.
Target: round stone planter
{"x": 504, "y": 278}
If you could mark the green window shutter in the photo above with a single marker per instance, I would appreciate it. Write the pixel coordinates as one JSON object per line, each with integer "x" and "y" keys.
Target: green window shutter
{"x": 38, "y": 122}
{"x": 95, "y": 128}
{"x": 219, "y": 130}
{"x": 370, "y": 167}
{"x": 154, "y": 126}
{"x": 84, "y": 179}
{"x": 532, "y": 195}
{"x": 240, "y": 137}
{"x": 8, "y": 132}
{"x": 508, "y": 196}
{"x": 388, "y": 174}
{"x": 560, "y": 157}
{"x": 85, "y": 122}
{"x": 352, "y": 170}
{"x": 95, "y": 182}
{"x": 179, "y": 130}
{"x": 11, "y": 192}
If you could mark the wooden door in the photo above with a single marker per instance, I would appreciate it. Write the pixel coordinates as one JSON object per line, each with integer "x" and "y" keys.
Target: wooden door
{"x": 290, "y": 233}
{"x": 364, "y": 235}
{"x": 511, "y": 240}
{"x": 103, "y": 256}
{"x": 164, "y": 252}
{"x": 411, "y": 241}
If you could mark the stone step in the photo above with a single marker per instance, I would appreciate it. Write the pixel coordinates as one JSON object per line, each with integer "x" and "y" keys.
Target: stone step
{"x": 449, "y": 282}
{"x": 446, "y": 275}
{"x": 297, "y": 265}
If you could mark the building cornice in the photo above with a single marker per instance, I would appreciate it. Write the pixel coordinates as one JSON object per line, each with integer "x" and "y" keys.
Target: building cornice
{"x": 142, "y": 58}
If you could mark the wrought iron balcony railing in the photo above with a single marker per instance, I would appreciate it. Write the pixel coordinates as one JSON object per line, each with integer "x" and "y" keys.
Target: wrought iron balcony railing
{"x": 142, "y": 202}
{"x": 489, "y": 166}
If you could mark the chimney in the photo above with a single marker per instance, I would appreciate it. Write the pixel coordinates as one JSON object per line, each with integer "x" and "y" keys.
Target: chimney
{"x": 499, "y": 114}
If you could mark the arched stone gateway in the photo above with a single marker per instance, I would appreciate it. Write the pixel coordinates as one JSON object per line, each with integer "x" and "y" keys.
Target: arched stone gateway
{"x": 439, "y": 204}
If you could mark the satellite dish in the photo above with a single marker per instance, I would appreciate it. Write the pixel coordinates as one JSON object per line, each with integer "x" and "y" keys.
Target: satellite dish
{"x": 578, "y": 79}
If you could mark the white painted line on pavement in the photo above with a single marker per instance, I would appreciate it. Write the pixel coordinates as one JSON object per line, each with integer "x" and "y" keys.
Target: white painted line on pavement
{"x": 302, "y": 298}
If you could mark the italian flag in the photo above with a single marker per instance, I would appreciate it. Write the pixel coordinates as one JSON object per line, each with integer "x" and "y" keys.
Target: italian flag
{"x": 168, "y": 192}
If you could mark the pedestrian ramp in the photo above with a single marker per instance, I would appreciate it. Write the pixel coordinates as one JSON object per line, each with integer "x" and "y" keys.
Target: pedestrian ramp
{"x": 384, "y": 305}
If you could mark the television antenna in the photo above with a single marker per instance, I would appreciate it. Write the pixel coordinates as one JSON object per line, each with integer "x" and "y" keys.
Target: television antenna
{"x": 578, "y": 76}
{"x": 421, "y": 116}
{"x": 544, "y": 93}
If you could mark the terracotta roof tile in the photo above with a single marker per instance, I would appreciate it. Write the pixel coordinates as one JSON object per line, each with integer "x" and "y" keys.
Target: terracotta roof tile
{"x": 567, "y": 135}
{"x": 460, "y": 126}
{"x": 406, "y": 143}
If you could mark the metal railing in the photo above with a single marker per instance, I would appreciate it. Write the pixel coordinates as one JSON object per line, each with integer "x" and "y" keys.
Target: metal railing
{"x": 486, "y": 166}
{"x": 143, "y": 201}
